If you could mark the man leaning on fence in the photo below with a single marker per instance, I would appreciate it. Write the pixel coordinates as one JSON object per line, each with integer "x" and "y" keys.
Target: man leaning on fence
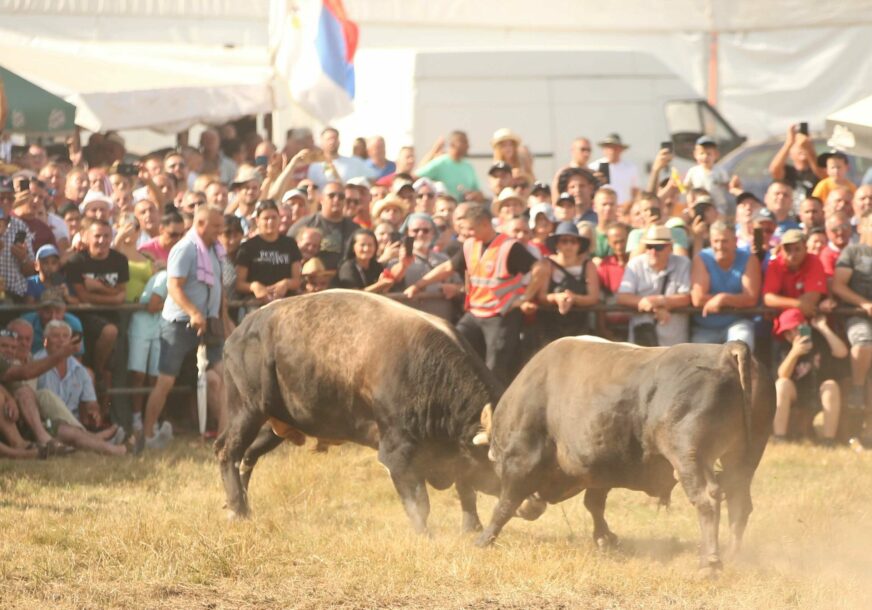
{"x": 724, "y": 276}
{"x": 654, "y": 284}
{"x": 852, "y": 282}
{"x": 194, "y": 311}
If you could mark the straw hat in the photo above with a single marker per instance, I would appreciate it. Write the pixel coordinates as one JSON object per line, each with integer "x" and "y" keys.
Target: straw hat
{"x": 391, "y": 200}
{"x": 504, "y": 135}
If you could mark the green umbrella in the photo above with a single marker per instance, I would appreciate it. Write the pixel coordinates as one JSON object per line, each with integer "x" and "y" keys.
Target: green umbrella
{"x": 32, "y": 109}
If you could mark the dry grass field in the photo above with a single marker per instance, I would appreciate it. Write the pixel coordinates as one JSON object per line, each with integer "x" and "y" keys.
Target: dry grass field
{"x": 328, "y": 532}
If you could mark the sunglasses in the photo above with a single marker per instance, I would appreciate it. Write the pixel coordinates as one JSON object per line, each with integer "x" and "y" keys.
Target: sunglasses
{"x": 566, "y": 204}
{"x": 584, "y": 149}
{"x": 175, "y": 235}
{"x": 420, "y": 230}
{"x": 656, "y": 247}
{"x": 426, "y": 195}
{"x": 521, "y": 185}
{"x": 339, "y": 196}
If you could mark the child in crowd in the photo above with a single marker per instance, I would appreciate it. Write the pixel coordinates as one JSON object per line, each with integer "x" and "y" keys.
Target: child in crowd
{"x": 837, "y": 175}
{"x": 143, "y": 335}
{"x": 48, "y": 275}
{"x": 704, "y": 175}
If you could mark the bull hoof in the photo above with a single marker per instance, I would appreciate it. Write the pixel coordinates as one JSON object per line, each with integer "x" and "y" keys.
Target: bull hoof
{"x": 484, "y": 540}
{"x": 233, "y": 516}
{"x": 606, "y": 541}
{"x": 708, "y": 573}
{"x": 471, "y": 525}
{"x": 710, "y": 568}
{"x": 531, "y": 509}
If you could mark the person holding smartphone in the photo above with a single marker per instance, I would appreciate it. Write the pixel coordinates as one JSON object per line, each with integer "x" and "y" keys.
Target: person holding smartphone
{"x": 802, "y": 382}
{"x": 16, "y": 249}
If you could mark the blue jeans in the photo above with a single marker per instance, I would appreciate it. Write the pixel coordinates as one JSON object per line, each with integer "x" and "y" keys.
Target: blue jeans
{"x": 740, "y": 330}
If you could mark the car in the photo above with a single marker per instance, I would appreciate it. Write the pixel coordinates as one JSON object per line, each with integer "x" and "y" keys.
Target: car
{"x": 750, "y": 162}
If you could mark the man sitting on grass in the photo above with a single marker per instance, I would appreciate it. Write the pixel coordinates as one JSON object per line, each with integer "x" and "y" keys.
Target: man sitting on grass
{"x": 11, "y": 376}
{"x": 67, "y": 387}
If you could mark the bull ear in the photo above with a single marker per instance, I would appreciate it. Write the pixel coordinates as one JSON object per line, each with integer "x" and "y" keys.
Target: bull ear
{"x": 481, "y": 439}
{"x": 487, "y": 415}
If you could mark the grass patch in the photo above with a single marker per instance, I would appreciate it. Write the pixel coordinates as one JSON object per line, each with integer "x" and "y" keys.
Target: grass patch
{"x": 329, "y": 531}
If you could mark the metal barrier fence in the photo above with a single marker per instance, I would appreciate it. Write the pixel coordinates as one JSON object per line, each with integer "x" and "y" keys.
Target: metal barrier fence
{"x": 121, "y": 393}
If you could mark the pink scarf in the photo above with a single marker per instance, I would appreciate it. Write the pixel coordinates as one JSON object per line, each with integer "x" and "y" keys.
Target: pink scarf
{"x": 205, "y": 273}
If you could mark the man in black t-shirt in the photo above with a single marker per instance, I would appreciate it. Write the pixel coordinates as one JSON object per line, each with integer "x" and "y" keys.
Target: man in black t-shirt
{"x": 99, "y": 276}
{"x": 495, "y": 266}
{"x": 268, "y": 265}
{"x": 335, "y": 228}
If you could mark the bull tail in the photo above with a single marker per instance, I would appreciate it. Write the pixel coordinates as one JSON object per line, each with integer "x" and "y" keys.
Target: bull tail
{"x": 742, "y": 354}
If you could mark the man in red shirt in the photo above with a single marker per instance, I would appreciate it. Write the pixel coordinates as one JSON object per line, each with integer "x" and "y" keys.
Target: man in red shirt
{"x": 611, "y": 272}
{"x": 795, "y": 278}
{"x": 839, "y": 231}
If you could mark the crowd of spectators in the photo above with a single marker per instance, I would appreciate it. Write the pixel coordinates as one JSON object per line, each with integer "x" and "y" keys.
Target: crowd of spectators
{"x": 196, "y": 237}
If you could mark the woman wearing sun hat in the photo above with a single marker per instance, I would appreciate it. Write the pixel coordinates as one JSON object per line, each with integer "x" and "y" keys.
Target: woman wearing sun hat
{"x": 508, "y": 148}
{"x": 573, "y": 284}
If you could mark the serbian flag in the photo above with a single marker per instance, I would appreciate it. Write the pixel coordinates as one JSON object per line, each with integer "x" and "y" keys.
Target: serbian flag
{"x": 322, "y": 77}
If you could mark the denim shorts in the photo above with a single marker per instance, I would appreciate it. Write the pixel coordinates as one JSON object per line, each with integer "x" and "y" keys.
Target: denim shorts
{"x": 177, "y": 340}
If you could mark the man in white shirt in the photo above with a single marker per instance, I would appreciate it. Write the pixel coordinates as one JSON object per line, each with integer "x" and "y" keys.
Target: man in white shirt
{"x": 623, "y": 175}
{"x": 346, "y": 167}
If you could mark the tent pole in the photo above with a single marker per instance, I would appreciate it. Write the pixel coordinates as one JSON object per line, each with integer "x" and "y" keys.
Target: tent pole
{"x": 713, "y": 69}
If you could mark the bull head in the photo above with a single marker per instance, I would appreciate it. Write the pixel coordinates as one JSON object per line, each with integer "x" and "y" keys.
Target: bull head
{"x": 483, "y": 437}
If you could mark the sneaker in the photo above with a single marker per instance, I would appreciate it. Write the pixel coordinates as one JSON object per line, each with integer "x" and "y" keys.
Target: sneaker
{"x": 156, "y": 442}
{"x": 856, "y": 400}
{"x": 165, "y": 428}
{"x": 118, "y": 437}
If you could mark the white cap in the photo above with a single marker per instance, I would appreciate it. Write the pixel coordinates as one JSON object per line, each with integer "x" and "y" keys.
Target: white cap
{"x": 541, "y": 208}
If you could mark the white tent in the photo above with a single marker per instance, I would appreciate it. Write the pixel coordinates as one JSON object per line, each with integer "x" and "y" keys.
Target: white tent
{"x": 766, "y": 64}
{"x": 164, "y": 66}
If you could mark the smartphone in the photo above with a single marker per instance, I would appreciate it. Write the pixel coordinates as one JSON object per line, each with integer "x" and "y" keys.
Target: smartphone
{"x": 666, "y": 145}
{"x": 699, "y": 209}
{"x": 22, "y": 185}
{"x": 396, "y": 236}
{"x": 409, "y": 245}
{"x": 20, "y": 237}
{"x": 804, "y": 330}
{"x": 604, "y": 170}
{"x": 758, "y": 241}
{"x": 654, "y": 213}
{"x": 261, "y": 160}
{"x": 803, "y": 128}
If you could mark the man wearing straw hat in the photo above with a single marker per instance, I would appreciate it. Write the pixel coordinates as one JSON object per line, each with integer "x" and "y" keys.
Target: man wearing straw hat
{"x": 623, "y": 174}
{"x": 654, "y": 284}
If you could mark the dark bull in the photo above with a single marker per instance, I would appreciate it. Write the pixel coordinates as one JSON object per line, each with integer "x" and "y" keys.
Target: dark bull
{"x": 586, "y": 414}
{"x": 350, "y": 366}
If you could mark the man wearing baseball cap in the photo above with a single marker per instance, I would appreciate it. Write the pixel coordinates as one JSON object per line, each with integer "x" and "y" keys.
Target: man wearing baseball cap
{"x": 794, "y": 278}
{"x": 654, "y": 284}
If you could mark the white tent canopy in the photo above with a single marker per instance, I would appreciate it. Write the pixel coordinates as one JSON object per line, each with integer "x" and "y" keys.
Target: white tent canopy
{"x": 168, "y": 64}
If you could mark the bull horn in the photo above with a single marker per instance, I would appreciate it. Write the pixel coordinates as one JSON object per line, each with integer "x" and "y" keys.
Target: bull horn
{"x": 481, "y": 439}
{"x": 487, "y": 415}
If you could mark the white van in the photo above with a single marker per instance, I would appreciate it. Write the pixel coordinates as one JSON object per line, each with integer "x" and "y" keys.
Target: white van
{"x": 547, "y": 97}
